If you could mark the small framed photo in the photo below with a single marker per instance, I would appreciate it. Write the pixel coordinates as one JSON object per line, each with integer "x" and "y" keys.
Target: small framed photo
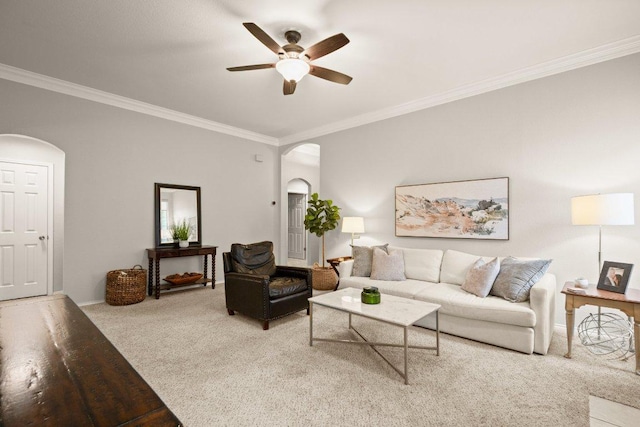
{"x": 614, "y": 276}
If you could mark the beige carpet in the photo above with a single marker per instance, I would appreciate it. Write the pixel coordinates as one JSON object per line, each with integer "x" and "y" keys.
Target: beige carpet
{"x": 214, "y": 369}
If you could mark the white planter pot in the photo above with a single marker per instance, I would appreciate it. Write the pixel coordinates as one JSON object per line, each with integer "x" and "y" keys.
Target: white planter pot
{"x": 183, "y": 243}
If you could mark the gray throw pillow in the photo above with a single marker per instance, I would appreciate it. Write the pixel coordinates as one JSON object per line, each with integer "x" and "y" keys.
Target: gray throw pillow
{"x": 387, "y": 266}
{"x": 517, "y": 277}
{"x": 363, "y": 258}
{"x": 480, "y": 277}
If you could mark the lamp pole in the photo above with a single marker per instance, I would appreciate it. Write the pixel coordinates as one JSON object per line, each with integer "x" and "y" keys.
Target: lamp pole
{"x": 598, "y": 272}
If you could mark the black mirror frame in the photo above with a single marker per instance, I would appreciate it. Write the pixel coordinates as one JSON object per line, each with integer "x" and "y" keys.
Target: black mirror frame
{"x": 157, "y": 189}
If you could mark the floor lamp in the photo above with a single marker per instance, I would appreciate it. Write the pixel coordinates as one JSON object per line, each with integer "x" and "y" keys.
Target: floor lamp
{"x": 602, "y": 209}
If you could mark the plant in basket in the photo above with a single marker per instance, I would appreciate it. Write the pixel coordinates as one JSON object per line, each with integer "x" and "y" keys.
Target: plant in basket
{"x": 181, "y": 231}
{"x": 322, "y": 216}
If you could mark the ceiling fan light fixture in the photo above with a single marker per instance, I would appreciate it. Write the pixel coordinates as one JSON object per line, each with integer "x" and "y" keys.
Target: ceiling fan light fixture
{"x": 293, "y": 69}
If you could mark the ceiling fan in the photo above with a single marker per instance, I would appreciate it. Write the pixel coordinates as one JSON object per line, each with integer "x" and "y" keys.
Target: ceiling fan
{"x": 294, "y": 61}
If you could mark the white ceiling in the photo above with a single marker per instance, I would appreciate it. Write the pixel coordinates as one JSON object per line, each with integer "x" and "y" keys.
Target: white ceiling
{"x": 404, "y": 55}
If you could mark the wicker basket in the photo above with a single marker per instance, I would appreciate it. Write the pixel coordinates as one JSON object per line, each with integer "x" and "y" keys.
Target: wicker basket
{"x": 323, "y": 278}
{"x": 127, "y": 286}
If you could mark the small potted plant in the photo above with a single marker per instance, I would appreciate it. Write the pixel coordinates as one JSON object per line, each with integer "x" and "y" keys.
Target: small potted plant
{"x": 322, "y": 216}
{"x": 181, "y": 231}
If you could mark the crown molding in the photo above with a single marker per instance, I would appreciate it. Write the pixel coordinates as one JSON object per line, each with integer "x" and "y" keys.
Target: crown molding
{"x": 587, "y": 57}
{"x": 41, "y": 81}
{"x": 598, "y": 54}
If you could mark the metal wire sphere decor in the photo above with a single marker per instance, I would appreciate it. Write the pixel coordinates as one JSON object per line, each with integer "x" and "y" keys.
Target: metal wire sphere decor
{"x": 607, "y": 334}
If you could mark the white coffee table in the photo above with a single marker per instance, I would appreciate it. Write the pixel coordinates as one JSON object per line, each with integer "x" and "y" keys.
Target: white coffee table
{"x": 394, "y": 310}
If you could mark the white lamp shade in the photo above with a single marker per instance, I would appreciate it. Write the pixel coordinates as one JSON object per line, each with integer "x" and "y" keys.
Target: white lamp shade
{"x": 292, "y": 69}
{"x": 603, "y": 209}
{"x": 352, "y": 224}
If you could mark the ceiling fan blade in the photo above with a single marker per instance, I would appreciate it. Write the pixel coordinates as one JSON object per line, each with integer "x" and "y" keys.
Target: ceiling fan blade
{"x": 326, "y": 46}
{"x": 251, "y": 67}
{"x": 332, "y": 76}
{"x": 263, "y": 37}
{"x": 289, "y": 87}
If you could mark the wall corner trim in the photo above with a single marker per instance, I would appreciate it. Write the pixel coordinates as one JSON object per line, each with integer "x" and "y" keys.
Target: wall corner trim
{"x": 41, "y": 81}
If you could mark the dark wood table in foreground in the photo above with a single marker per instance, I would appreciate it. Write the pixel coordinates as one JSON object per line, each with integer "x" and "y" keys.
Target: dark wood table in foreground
{"x": 628, "y": 303}
{"x": 58, "y": 369}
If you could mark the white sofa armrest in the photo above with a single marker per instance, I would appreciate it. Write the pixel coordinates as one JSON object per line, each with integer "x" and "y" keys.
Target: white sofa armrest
{"x": 345, "y": 268}
{"x": 542, "y": 300}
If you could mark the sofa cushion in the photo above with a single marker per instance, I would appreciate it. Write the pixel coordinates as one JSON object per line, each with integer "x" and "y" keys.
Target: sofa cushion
{"x": 481, "y": 276}
{"x": 407, "y": 289}
{"x": 456, "y": 302}
{"x": 517, "y": 276}
{"x": 422, "y": 264}
{"x": 456, "y": 265}
{"x": 363, "y": 258}
{"x": 387, "y": 266}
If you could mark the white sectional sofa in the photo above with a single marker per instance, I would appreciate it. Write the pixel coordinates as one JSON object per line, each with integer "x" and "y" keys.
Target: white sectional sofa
{"x": 436, "y": 276}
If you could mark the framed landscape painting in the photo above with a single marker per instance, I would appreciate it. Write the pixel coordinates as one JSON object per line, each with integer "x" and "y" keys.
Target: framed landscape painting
{"x": 477, "y": 209}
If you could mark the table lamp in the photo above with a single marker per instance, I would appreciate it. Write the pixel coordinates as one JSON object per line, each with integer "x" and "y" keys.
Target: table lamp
{"x": 353, "y": 225}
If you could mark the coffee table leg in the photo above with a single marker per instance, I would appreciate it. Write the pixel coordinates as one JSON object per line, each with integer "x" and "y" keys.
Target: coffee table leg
{"x": 406, "y": 353}
{"x": 350, "y": 321}
{"x": 310, "y": 324}
{"x": 437, "y": 333}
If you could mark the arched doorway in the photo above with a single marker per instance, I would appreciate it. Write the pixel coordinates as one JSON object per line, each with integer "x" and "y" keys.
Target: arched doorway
{"x": 26, "y": 163}
{"x": 300, "y": 177}
{"x": 297, "y": 195}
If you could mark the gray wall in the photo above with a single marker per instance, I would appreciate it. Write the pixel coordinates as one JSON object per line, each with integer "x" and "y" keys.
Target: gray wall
{"x": 113, "y": 158}
{"x": 570, "y": 134}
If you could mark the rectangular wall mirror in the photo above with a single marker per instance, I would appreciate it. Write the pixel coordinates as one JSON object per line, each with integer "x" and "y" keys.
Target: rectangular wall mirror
{"x": 173, "y": 204}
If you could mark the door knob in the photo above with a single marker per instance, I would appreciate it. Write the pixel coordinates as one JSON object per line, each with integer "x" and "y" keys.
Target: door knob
{"x": 41, "y": 238}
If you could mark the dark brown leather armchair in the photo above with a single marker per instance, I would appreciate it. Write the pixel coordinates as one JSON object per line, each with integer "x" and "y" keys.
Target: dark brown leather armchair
{"x": 256, "y": 287}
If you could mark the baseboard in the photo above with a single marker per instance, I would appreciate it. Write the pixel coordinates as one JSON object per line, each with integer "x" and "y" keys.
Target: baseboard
{"x": 90, "y": 303}
{"x": 218, "y": 282}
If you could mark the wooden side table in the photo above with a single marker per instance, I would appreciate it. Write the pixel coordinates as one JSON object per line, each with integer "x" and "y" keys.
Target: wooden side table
{"x": 628, "y": 303}
{"x": 156, "y": 254}
{"x": 335, "y": 262}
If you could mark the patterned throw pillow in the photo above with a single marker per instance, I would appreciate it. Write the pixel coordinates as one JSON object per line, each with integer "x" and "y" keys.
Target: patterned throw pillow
{"x": 387, "y": 266}
{"x": 481, "y": 276}
{"x": 517, "y": 277}
{"x": 362, "y": 259}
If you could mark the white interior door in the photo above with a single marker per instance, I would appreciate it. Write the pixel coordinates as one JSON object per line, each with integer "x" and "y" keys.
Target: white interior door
{"x": 23, "y": 230}
{"x": 296, "y": 231}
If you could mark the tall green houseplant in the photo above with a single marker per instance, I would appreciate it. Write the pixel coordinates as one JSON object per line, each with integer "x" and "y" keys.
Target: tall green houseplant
{"x": 322, "y": 216}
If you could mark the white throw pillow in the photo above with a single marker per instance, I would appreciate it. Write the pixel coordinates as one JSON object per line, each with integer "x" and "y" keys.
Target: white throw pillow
{"x": 480, "y": 278}
{"x": 422, "y": 264}
{"x": 387, "y": 266}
